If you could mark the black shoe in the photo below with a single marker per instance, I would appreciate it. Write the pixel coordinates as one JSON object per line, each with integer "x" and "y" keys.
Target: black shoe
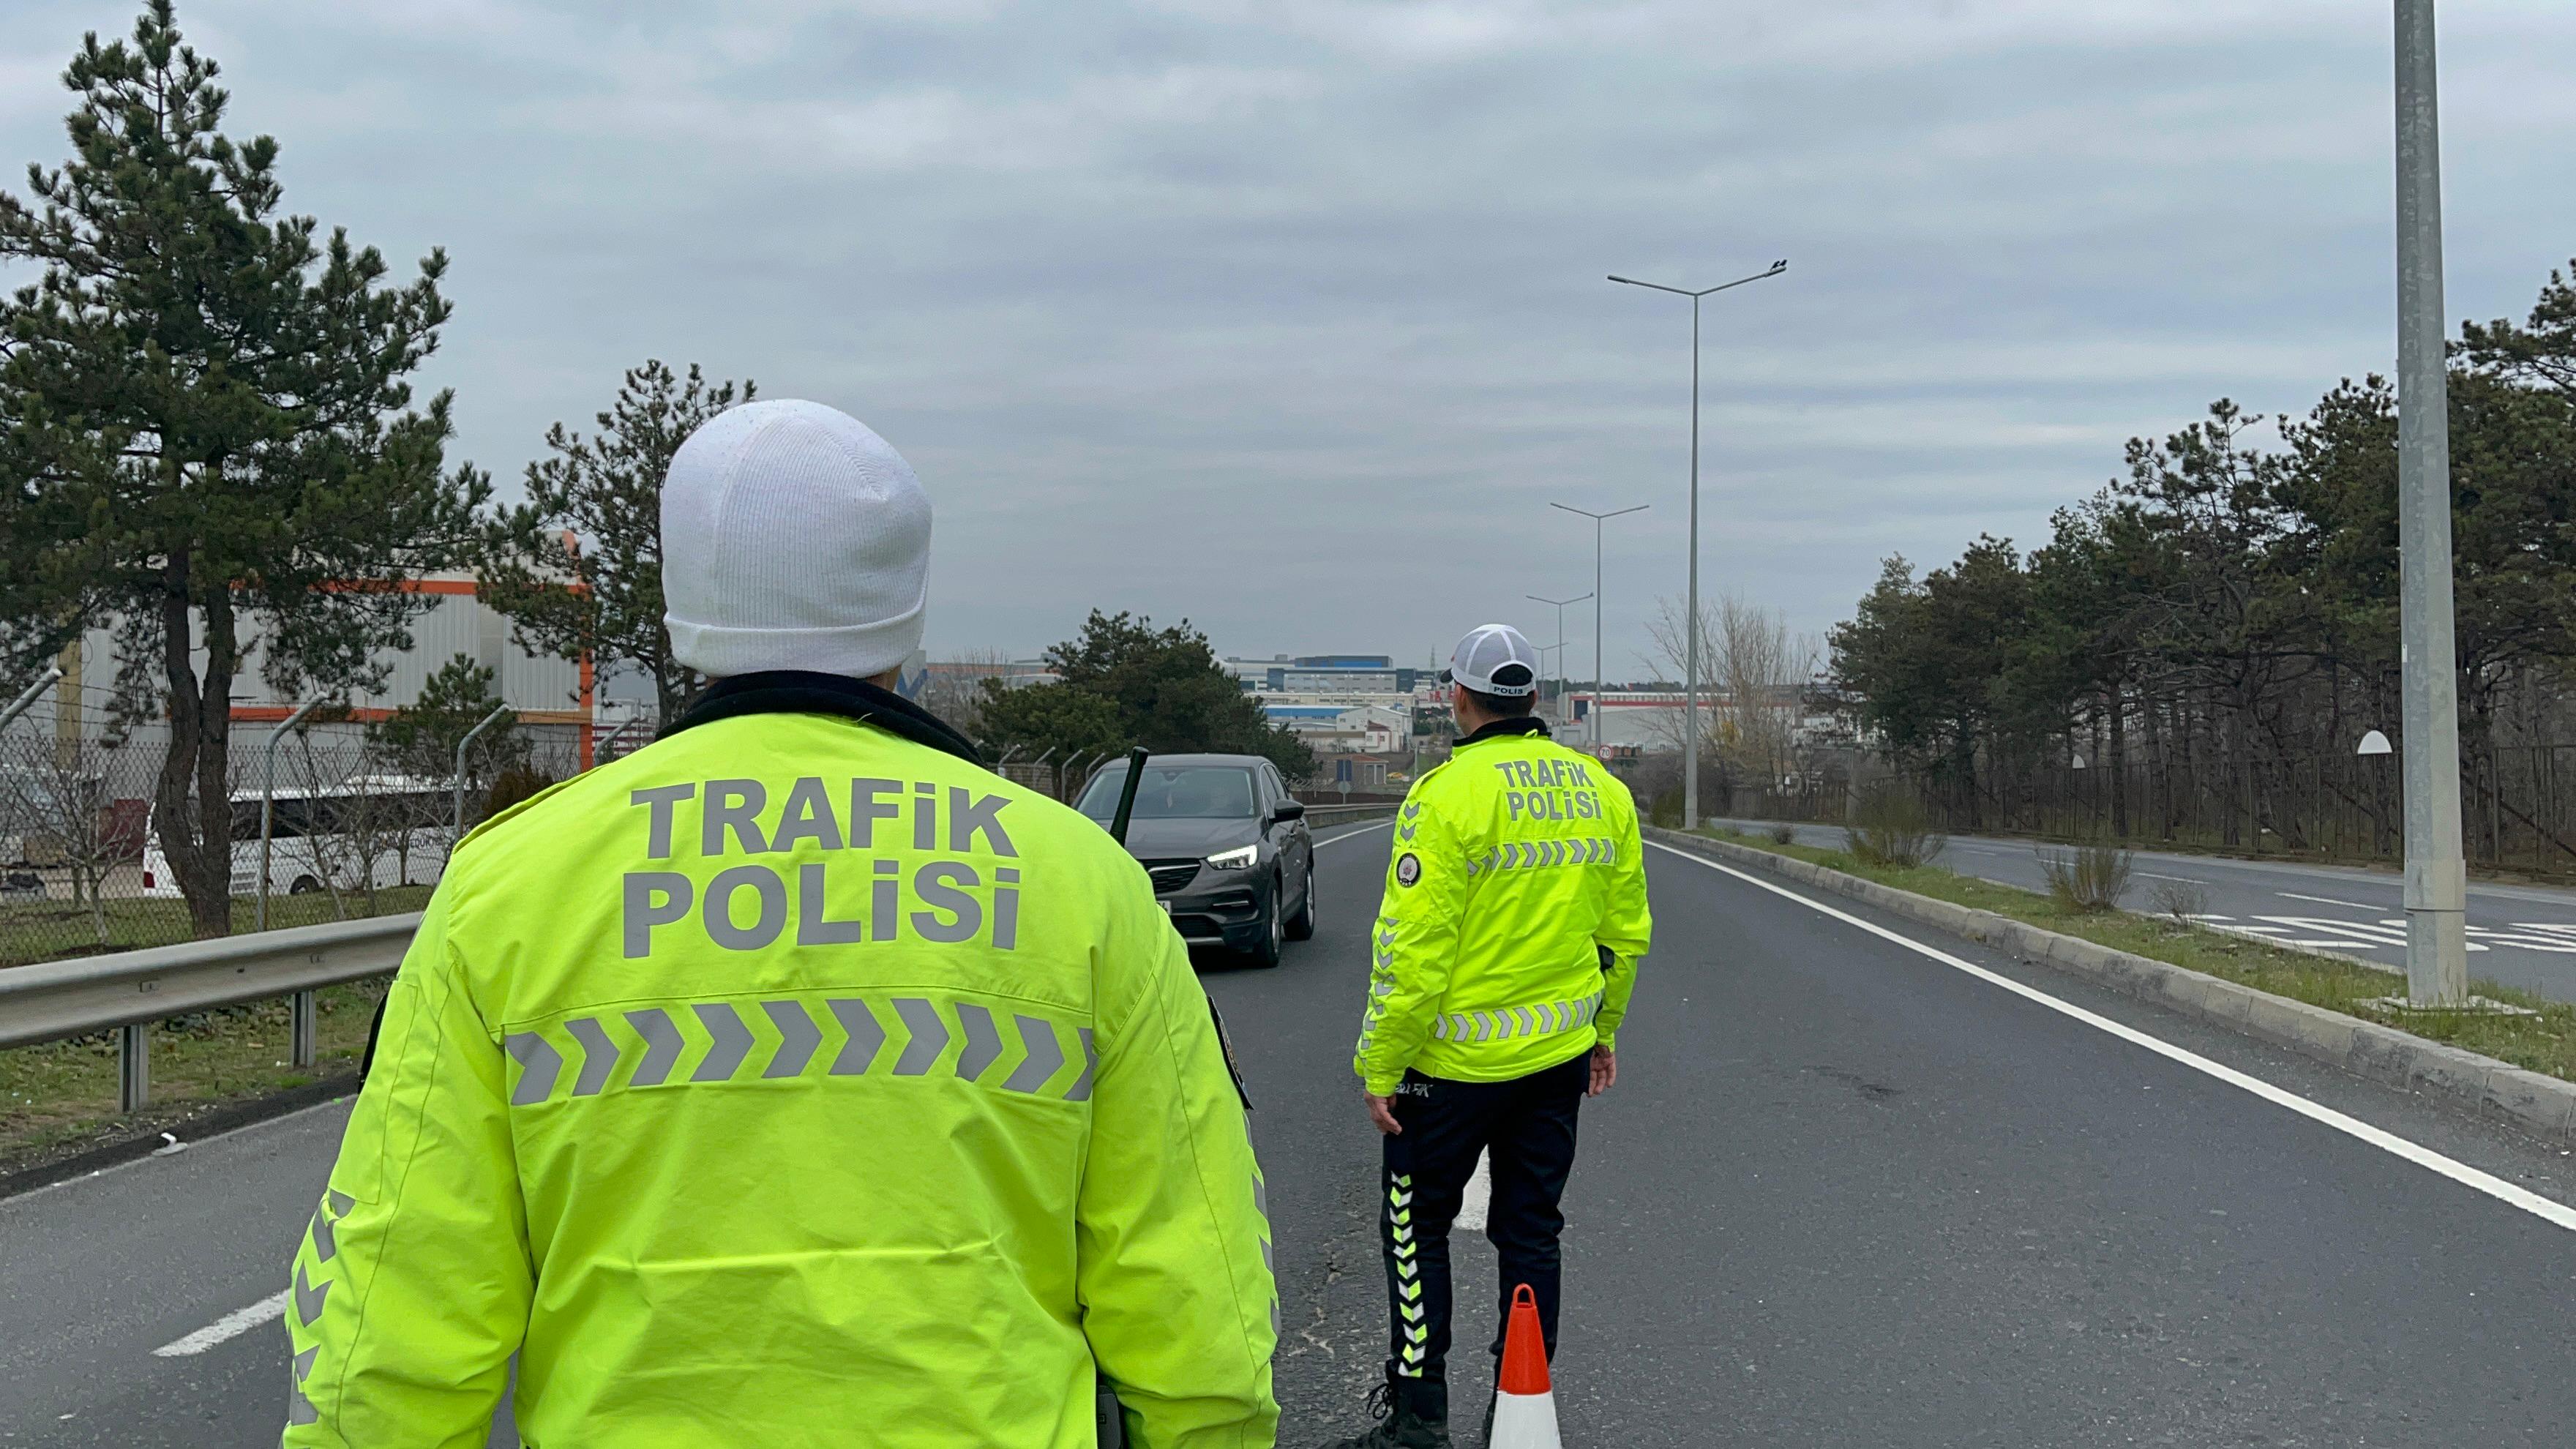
{"x": 1410, "y": 1414}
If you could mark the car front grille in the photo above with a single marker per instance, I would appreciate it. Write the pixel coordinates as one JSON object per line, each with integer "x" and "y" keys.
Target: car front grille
{"x": 1171, "y": 875}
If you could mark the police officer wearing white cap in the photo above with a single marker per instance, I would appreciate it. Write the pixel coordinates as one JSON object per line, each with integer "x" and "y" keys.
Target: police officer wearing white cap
{"x": 1503, "y": 958}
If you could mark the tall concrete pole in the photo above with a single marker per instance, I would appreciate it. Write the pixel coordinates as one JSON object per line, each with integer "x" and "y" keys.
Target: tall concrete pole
{"x": 1690, "y": 631}
{"x": 1598, "y": 688}
{"x": 2437, "y": 888}
{"x": 1690, "y": 668}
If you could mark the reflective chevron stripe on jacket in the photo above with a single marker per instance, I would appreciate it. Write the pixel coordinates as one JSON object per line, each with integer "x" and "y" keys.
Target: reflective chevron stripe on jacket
{"x": 898, "y": 1036}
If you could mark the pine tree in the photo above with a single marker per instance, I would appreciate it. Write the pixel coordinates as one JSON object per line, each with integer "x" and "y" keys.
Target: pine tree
{"x": 206, "y": 439}
{"x": 603, "y": 599}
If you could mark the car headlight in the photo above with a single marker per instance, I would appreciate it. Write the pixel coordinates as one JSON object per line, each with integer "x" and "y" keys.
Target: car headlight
{"x": 1242, "y": 857}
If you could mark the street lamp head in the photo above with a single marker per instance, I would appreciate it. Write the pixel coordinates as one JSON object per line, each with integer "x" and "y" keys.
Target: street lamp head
{"x": 1660, "y": 287}
{"x": 1597, "y": 517}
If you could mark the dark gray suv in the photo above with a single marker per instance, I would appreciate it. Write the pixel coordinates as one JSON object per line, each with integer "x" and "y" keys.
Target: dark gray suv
{"x": 1228, "y": 848}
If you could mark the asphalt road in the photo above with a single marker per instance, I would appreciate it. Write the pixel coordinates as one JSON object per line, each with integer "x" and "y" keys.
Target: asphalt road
{"x": 2519, "y": 935}
{"x": 1846, "y": 1193}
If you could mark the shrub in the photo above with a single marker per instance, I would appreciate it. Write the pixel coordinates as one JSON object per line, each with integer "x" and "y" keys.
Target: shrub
{"x": 2087, "y": 879}
{"x": 1889, "y": 829}
{"x": 2182, "y": 900}
{"x": 1783, "y": 834}
{"x": 517, "y": 783}
{"x": 1666, "y": 809}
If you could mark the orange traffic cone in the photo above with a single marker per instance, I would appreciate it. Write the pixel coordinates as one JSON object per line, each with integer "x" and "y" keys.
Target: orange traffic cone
{"x": 1524, "y": 1407}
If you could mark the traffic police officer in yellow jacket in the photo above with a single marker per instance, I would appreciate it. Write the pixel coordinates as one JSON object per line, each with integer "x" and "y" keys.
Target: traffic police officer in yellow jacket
{"x": 1504, "y": 954}
{"x": 793, "y": 1081}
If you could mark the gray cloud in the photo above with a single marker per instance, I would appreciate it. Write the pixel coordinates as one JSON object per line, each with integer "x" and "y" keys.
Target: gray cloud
{"x": 1290, "y": 317}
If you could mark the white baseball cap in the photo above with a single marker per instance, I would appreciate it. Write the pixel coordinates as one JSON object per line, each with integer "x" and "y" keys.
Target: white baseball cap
{"x": 1494, "y": 659}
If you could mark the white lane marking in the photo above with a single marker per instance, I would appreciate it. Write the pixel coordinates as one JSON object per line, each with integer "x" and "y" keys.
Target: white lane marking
{"x": 1347, "y": 834}
{"x": 2495, "y": 1187}
{"x": 2186, "y": 879}
{"x": 2328, "y": 901}
{"x": 231, "y": 1326}
{"x": 1479, "y": 1193}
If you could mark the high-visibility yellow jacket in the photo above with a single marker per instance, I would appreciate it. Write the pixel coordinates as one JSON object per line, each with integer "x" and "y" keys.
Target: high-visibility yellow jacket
{"x": 791, "y": 1082}
{"x": 1514, "y": 915}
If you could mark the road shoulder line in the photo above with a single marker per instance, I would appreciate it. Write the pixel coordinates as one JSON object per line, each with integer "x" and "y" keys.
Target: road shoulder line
{"x": 227, "y": 1328}
{"x": 2548, "y": 1210}
{"x": 2531, "y": 1102}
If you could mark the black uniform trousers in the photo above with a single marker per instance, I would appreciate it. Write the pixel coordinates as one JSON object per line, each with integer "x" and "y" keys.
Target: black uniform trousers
{"x": 1525, "y": 1127}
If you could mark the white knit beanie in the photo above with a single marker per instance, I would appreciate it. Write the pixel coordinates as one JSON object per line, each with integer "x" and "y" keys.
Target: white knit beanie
{"x": 793, "y": 537}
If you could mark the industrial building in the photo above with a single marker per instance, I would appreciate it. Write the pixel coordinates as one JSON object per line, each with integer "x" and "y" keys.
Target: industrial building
{"x": 558, "y": 697}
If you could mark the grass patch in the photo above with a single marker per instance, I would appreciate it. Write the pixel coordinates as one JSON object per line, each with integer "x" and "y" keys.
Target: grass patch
{"x": 32, "y": 931}
{"x": 59, "y": 1094}
{"x": 2545, "y": 1042}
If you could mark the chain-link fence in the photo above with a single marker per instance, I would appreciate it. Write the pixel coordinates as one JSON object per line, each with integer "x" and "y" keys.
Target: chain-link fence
{"x": 356, "y": 823}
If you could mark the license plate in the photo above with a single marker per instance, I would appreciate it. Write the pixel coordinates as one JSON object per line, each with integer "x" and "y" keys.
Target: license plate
{"x": 1166, "y": 905}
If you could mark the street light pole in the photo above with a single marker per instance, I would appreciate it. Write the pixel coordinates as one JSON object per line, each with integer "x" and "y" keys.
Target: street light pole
{"x": 1560, "y": 624}
{"x": 1690, "y": 648}
{"x": 489, "y": 720}
{"x": 1598, "y": 685}
{"x": 268, "y": 804}
{"x": 2437, "y": 885}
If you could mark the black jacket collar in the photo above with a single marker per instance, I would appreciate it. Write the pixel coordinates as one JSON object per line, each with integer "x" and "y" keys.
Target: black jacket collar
{"x": 798, "y": 691}
{"x": 1528, "y": 724}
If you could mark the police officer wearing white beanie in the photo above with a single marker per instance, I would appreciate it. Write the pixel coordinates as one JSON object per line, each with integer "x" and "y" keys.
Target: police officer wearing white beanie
{"x": 793, "y": 1079}
{"x": 793, "y": 537}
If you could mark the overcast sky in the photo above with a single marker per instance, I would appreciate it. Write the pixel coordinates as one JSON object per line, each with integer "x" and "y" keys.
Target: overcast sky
{"x": 1291, "y": 317}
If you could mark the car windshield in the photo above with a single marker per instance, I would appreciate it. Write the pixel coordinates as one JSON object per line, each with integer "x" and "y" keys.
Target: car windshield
{"x": 1181, "y": 792}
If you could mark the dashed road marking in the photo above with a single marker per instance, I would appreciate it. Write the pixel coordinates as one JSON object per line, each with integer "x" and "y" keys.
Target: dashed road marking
{"x": 2546, "y": 1209}
{"x": 227, "y": 1328}
{"x": 1479, "y": 1196}
{"x": 1347, "y": 834}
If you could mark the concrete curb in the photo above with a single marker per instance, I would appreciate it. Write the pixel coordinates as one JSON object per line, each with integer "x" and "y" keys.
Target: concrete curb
{"x": 2541, "y": 1105}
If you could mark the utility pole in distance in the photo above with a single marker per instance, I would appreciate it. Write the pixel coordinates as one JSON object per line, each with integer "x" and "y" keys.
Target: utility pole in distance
{"x": 2437, "y": 880}
{"x": 1600, "y": 682}
{"x": 1690, "y": 632}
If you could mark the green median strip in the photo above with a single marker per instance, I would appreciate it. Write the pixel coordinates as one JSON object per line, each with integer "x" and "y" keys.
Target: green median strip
{"x": 2544, "y": 1040}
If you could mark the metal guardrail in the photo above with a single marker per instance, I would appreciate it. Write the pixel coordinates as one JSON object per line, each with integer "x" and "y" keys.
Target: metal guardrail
{"x": 1344, "y": 814}
{"x": 130, "y": 990}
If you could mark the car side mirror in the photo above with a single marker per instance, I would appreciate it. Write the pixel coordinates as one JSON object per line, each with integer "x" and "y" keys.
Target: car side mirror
{"x": 1288, "y": 810}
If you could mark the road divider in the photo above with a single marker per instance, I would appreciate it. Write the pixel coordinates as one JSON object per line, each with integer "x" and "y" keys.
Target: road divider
{"x": 1713, "y": 854}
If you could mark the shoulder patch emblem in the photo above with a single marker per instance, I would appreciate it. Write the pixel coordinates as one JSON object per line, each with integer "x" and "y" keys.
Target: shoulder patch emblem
{"x": 1408, "y": 868}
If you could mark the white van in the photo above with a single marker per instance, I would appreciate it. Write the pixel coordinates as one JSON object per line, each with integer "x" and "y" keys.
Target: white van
{"x": 393, "y": 827}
